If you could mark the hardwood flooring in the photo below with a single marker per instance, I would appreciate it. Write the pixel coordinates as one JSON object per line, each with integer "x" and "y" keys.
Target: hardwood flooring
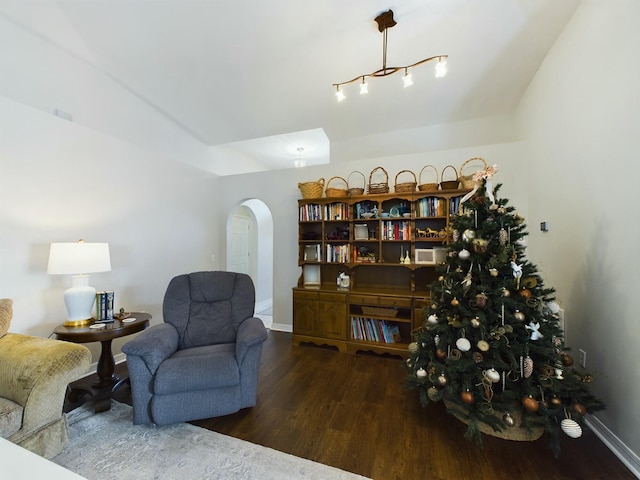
{"x": 351, "y": 412}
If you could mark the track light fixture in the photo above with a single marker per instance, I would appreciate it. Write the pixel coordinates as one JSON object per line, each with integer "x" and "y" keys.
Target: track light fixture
{"x": 385, "y": 21}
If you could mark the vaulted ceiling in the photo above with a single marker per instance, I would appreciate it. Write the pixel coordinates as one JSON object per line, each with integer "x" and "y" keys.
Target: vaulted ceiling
{"x": 238, "y": 73}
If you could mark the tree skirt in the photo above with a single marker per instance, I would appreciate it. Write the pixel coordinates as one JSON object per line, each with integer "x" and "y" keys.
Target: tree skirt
{"x": 515, "y": 433}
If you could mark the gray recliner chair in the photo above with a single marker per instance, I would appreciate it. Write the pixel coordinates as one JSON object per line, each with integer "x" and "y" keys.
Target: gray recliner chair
{"x": 204, "y": 360}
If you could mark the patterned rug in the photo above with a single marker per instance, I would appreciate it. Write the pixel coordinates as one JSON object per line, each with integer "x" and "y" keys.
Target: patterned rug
{"x": 108, "y": 446}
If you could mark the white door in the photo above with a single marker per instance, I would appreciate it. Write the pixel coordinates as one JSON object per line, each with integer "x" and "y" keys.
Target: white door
{"x": 239, "y": 261}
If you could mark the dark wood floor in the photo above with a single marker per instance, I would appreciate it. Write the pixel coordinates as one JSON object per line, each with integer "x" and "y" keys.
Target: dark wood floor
{"x": 351, "y": 412}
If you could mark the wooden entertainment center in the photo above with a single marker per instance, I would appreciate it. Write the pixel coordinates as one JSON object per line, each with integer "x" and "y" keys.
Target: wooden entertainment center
{"x": 388, "y": 245}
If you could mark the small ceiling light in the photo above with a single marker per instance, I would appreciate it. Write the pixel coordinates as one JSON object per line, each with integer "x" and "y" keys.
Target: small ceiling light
{"x": 385, "y": 21}
{"x": 364, "y": 88}
{"x": 407, "y": 80}
{"x": 441, "y": 67}
{"x": 299, "y": 162}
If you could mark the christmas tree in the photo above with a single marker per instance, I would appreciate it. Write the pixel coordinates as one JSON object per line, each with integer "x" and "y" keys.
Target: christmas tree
{"x": 491, "y": 346}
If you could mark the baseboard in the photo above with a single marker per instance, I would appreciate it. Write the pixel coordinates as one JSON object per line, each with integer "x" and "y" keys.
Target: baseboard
{"x": 282, "y": 327}
{"x": 617, "y": 446}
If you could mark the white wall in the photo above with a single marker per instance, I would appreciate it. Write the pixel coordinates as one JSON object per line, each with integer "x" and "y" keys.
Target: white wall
{"x": 62, "y": 182}
{"x": 580, "y": 118}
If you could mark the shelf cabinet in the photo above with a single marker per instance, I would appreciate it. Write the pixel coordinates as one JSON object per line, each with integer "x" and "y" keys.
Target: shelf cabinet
{"x": 374, "y": 239}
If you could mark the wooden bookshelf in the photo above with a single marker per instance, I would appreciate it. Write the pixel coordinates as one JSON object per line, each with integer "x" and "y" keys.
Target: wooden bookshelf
{"x": 373, "y": 239}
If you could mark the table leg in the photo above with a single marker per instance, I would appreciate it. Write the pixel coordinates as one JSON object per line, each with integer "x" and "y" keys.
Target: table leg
{"x": 106, "y": 367}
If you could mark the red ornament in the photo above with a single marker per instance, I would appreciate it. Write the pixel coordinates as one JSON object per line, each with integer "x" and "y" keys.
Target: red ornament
{"x": 466, "y": 397}
{"x": 555, "y": 401}
{"x": 567, "y": 360}
{"x": 530, "y": 404}
{"x": 441, "y": 354}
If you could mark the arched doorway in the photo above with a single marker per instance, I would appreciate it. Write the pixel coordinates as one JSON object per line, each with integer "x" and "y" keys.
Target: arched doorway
{"x": 250, "y": 250}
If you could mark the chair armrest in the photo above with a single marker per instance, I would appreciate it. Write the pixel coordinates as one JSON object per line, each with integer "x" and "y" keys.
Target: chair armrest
{"x": 35, "y": 373}
{"x": 154, "y": 345}
{"x": 251, "y": 332}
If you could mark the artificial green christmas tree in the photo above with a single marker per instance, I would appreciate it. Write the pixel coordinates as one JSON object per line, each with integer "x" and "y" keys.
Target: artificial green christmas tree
{"x": 491, "y": 346}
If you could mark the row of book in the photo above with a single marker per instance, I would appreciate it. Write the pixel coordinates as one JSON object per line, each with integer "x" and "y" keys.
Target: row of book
{"x": 310, "y": 212}
{"x": 337, "y": 253}
{"x": 431, "y": 207}
{"x": 336, "y": 211}
{"x": 104, "y": 306}
{"x": 393, "y": 230}
{"x": 372, "y": 330}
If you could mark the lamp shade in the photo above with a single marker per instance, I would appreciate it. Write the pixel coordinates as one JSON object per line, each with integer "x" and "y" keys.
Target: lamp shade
{"x": 78, "y": 258}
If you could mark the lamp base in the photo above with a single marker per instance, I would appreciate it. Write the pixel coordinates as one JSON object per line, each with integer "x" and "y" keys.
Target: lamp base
{"x": 79, "y": 300}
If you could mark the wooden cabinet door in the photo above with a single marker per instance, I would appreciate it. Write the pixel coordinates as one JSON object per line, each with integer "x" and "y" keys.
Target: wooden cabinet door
{"x": 332, "y": 320}
{"x": 305, "y": 312}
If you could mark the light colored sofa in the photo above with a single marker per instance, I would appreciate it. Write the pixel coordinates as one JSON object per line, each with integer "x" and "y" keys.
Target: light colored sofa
{"x": 34, "y": 374}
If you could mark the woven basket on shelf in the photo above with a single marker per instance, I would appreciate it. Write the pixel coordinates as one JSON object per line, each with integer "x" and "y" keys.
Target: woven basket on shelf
{"x": 380, "y": 187}
{"x": 405, "y": 187}
{"x": 311, "y": 189}
{"x": 467, "y": 181}
{"x": 448, "y": 184}
{"x": 427, "y": 187}
{"x": 355, "y": 191}
{"x": 336, "y": 192}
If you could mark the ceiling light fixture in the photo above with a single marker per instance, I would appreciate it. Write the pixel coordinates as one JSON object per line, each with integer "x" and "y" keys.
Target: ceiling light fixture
{"x": 385, "y": 21}
{"x": 299, "y": 161}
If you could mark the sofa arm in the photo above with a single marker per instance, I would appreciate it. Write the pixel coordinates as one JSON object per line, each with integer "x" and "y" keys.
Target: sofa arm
{"x": 35, "y": 372}
{"x": 154, "y": 345}
{"x": 251, "y": 332}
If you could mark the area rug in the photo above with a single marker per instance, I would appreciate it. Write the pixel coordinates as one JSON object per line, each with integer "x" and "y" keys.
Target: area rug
{"x": 107, "y": 446}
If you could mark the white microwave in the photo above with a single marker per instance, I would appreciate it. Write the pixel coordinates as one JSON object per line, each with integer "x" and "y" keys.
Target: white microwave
{"x": 430, "y": 256}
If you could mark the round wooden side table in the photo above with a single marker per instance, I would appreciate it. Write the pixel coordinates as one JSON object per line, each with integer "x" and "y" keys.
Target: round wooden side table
{"x": 107, "y": 383}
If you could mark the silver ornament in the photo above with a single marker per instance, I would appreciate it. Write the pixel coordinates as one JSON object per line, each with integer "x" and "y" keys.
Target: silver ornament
{"x": 468, "y": 235}
{"x": 464, "y": 254}
{"x": 508, "y": 420}
{"x": 528, "y": 367}
{"x": 571, "y": 428}
{"x": 421, "y": 373}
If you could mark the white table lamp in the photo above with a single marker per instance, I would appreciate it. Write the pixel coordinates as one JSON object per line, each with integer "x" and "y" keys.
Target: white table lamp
{"x": 78, "y": 259}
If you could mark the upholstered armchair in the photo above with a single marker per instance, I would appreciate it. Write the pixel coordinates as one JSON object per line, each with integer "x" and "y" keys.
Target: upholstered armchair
{"x": 34, "y": 374}
{"x": 203, "y": 361}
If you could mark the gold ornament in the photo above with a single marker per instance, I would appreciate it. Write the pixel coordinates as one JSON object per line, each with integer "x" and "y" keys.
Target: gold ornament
{"x": 442, "y": 379}
{"x": 483, "y": 346}
{"x": 467, "y": 397}
{"x": 530, "y": 404}
{"x": 421, "y": 373}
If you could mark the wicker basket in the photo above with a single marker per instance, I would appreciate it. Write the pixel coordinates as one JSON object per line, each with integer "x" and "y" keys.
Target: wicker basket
{"x": 336, "y": 192}
{"x": 467, "y": 181}
{"x": 380, "y": 187}
{"x": 379, "y": 311}
{"x": 311, "y": 189}
{"x": 448, "y": 184}
{"x": 355, "y": 191}
{"x": 405, "y": 187}
{"x": 427, "y": 187}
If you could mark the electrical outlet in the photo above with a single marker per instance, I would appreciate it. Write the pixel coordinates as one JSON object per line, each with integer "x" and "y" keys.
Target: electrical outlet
{"x": 582, "y": 360}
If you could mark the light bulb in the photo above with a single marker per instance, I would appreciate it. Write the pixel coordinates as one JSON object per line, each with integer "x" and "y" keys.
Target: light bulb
{"x": 299, "y": 163}
{"x": 441, "y": 67}
{"x": 407, "y": 79}
{"x": 340, "y": 94}
{"x": 364, "y": 87}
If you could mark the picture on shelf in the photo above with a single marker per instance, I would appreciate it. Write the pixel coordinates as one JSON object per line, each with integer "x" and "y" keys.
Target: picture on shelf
{"x": 361, "y": 232}
{"x": 312, "y": 253}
